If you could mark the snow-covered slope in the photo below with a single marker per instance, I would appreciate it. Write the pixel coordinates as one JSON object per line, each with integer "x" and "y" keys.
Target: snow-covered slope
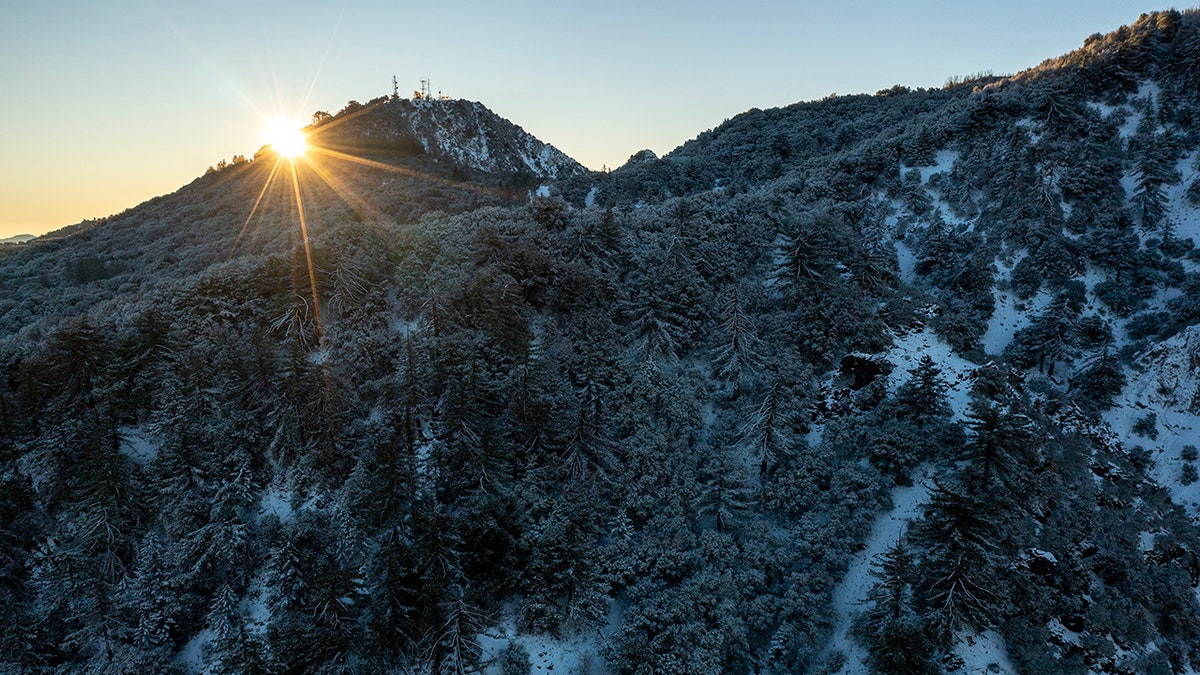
{"x": 464, "y": 133}
{"x": 614, "y": 437}
{"x": 1160, "y": 410}
{"x": 474, "y": 136}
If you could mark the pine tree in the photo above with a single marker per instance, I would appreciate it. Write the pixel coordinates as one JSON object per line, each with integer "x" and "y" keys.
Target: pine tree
{"x": 148, "y": 598}
{"x": 72, "y": 366}
{"x": 393, "y": 584}
{"x": 78, "y": 574}
{"x": 234, "y": 649}
{"x": 895, "y": 634}
{"x": 220, "y": 551}
{"x": 957, "y": 576}
{"x": 1051, "y": 339}
{"x": 21, "y": 524}
{"x": 1098, "y": 385}
{"x": 456, "y": 650}
{"x": 767, "y": 431}
{"x": 1153, "y": 170}
{"x": 588, "y": 455}
{"x": 287, "y": 578}
{"x": 562, "y": 574}
{"x": 725, "y": 492}
{"x": 922, "y": 398}
{"x": 996, "y": 446}
{"x": 737, "y": 357}
{"x": 807, "y": 254}
{"x": 892, "y": 596}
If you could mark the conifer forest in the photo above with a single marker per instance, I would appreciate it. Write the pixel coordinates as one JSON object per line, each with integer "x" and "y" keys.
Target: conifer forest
{"x": 895, "y": 383}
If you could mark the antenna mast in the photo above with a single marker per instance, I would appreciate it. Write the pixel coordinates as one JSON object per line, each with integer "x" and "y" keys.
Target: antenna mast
{"x": 425, "y": 88}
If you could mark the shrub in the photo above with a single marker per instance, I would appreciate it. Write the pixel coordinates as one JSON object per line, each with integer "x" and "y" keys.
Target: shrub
{"x": 1188, "y": 475}
{"x": 1147, "y": 427}
{"x": 514, "y": 660}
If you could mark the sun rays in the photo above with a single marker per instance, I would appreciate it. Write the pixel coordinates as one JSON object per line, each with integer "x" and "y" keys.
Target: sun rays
{"x": 312, "y": 277}
{"x": 297, "y": 154}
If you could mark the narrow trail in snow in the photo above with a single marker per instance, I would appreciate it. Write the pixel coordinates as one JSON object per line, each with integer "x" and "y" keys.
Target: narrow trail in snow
{"x": 907, "y": 503}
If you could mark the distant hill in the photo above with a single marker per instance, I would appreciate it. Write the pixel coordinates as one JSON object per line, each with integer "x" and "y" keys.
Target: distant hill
{"x": 16, "y": 239}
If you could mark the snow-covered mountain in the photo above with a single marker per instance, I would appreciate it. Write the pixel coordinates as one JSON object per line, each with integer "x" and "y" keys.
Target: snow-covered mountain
{"x": 904, "y": 382}
{"x": 464, "y": 133}
{"x": 393, "y": 159}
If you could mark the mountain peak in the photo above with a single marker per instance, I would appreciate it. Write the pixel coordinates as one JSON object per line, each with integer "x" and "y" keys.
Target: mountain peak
{"x": 464, "y": 133}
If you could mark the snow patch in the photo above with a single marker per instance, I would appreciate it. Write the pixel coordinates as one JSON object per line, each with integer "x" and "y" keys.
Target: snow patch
{"x": 1181, "y": 213}
{"x": 943, "y": 162}
{"x": 1044, "y": 555}
{"x": 406, "y": 328}
{"x": 1149, "y": 90}
{"x": 1028, "y": 123}
{"x": 956, "y": 371}
{"x": 256, "y": 609}
{"x": 1168, "y": 387}
{"x": 280, "y": 503}
{"x": 547, "y": 655}
{"x": 137, "y": 444}
{"x": 1129, "y": 128}
{"x": 1006, "y": 320}
{"x": 1009, "y": 316}
{"x": 192, "y": 654}
{"x": 1146, "y": 541}
{"x": 983, "y": 653}
{"x": 1104, "y": 109}
{"x": 907, "y": 262}
{"x": 1062, "y": 634}
{"x": 849, "y": 596}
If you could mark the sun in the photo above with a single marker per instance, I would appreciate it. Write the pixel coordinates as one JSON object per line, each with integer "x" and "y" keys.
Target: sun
{"x": 285, "y": 136}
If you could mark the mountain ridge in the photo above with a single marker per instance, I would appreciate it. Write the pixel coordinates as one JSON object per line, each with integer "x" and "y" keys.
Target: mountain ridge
{"x": 387, "y": 158}
{"x": 463, "y": 132}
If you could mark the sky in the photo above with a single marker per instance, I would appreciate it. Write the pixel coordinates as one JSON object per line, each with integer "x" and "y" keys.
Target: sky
{"x": 104, "y": 104}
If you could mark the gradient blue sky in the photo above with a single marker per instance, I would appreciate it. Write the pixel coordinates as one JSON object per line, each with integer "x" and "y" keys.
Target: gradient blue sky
{"x": 106, "y": 104}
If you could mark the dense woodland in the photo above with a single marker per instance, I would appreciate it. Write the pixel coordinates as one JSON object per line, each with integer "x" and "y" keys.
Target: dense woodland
{"x": 660, "y": 409}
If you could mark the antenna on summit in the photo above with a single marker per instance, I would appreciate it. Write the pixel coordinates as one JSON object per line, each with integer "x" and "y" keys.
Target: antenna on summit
{"x": 425, "y": 88}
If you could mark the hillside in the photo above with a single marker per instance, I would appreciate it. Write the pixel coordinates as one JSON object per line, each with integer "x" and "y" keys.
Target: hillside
{"x": 373, "y": 168}
{"x": 464, "y": 134}
{"x": 894, "y": 383}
